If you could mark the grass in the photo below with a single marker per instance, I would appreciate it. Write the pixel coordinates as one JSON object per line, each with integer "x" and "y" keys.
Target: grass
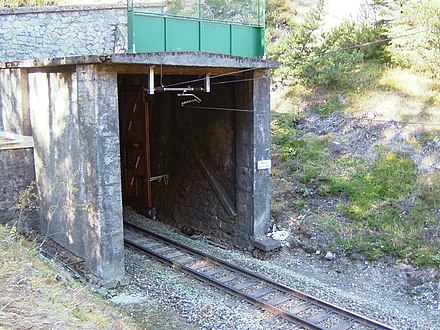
{"x": 389, "y": 203}
{"x": 36, "y": 294}
{"x": 391, "y": 210}
{"x": 401, "y": 95}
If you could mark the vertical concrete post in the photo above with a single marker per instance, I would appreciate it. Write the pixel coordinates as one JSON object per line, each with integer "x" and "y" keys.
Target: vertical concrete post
{"x": 244, "y": 221}
{"x": 253, "y": 145}
{"x": 99, "y": 150}
{"x": 261, "y": 139}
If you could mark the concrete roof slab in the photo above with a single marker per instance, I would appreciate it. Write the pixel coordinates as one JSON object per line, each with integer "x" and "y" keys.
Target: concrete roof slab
{"x": 189, "y": 59}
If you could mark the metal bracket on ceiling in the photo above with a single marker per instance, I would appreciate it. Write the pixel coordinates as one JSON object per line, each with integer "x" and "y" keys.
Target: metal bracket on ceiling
{"x": 208, "y": 83}
{"x": 195, "y": 98}
{"x": 151, "y": 89}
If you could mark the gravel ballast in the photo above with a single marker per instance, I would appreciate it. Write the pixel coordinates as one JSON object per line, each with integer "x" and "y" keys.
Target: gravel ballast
{"x": 164, "y": 298}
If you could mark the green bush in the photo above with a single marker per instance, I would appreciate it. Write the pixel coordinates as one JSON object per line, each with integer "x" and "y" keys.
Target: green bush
{"x": 330, "y": 59}
{"x": 416, "y": 28}
{"x": 285, "y": 138}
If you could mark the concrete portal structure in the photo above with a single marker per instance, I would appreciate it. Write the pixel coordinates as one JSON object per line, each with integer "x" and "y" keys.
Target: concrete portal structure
{"x": 103, "y": 137}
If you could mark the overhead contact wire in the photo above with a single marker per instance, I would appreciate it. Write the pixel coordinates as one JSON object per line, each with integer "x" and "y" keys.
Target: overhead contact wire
{"x": 212, "y": 77}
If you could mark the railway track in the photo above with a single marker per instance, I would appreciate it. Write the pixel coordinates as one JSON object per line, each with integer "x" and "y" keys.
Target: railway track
{"x": 292, "y": 305}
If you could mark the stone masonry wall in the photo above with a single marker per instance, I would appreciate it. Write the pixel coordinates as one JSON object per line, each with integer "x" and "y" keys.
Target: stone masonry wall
{"x": 16, "y": 174}
{"x": 47, "y": 32}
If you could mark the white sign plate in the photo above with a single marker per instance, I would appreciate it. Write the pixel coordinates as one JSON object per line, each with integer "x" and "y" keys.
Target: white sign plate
{"x": 265, "y": 164}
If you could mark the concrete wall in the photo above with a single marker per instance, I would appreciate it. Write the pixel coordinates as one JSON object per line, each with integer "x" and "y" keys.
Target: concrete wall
{"x": 74, "y": 121}
{"x": 253, "y": 145}
{"x": 56, "y": 134}
{"x": 101, "y": 173}
{"x": 14, "y": 112}
{"x": 261, "y": 152}
{"x": 182, "y": 139}
{"x": 16, "y": 174}
{"x": 75, "y": 125}
{"x": 46, "y": 32}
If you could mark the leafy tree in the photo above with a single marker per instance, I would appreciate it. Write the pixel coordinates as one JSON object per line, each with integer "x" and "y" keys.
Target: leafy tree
{"x": 232, "y": 10}
{"x": 415, "y": 26}
{"x": 279, "y": 14}
{"x": 326, "y": 59}
{"x": 183, "y": 8}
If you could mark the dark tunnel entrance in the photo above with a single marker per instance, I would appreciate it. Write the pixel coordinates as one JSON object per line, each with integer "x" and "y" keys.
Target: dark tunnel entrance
{"x": 182, "y": 159}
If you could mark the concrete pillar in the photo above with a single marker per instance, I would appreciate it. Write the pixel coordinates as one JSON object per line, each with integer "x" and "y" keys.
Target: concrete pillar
{"x": 244, "y": 167}
{"x": 99, "y": 152}
{"x": 253, "y": 145}
{"x": 261, "y": 142}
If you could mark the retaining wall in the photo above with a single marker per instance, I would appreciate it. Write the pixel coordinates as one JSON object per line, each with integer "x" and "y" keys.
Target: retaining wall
{"x": 47, "y": 32}
{"x": 16, "y": 174}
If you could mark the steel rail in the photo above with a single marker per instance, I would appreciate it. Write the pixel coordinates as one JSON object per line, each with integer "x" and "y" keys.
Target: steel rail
{"x": 289, "y": 316}
{"x": 252, "y": 275}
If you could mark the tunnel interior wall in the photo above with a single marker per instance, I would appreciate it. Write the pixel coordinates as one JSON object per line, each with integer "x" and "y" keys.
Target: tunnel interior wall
{"x": 196, "y": 146}
{"x": 184, "y": 139}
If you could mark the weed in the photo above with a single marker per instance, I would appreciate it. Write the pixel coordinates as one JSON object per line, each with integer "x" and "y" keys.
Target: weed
{"x": 284, "y": 136}
{"x": 35, "y": 294}
{"x": 328, "y": 107}
{"x": 390, "y": 177}
{"x": 385, "y": 221}
{"x": 436, "y": 259}
{"x": 389, "y": 207}
{"x": 27, "y": 203}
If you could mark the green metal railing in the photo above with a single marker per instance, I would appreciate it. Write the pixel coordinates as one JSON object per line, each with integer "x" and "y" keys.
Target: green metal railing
{"x": 234, "y": 27}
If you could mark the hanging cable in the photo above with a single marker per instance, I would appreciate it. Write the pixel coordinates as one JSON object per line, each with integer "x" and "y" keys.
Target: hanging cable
{"x": 218, "y": 109}
{"x": 299, "y": 59}
{"x": 236, "y": 81}
{"x": 212, "y": 77}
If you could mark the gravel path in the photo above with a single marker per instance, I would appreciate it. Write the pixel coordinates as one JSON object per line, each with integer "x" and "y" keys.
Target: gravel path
{"x": 164, "y": 298}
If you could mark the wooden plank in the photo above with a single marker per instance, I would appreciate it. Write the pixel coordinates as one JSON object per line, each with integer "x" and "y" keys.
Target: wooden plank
{"x": 262, "y": 292}
{"x": 164, "y": 250}
{"x": 244, "y": 285}
{"x": 212, "y": 272}
{"x": 319, "y": 317}
{"x": 185, "y": 260}
{"x": 174, "y": 255}
{"x": 199, "y": 265}
{"x": 152, "y": 246}
{"x": 228, "y": 278}
{"x": 300, "y": 308}
{"x": 345, "y": 325}
{"x": 279, "y": 300}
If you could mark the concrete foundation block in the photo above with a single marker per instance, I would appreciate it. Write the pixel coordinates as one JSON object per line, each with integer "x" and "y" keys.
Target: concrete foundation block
{"x": 267, "y": 244}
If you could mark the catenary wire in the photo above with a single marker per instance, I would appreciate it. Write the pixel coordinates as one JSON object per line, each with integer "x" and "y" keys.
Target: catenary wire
{"x": 218, "y": 109}
{"x": 212, "y": 77}
{"x": 375, "y": 42}
{"x": 299, "y": 59}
